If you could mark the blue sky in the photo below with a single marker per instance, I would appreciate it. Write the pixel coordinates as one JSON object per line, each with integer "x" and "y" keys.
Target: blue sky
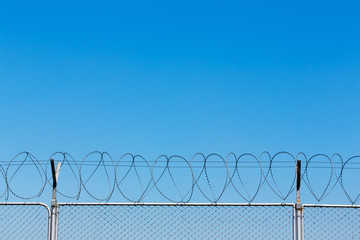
{"x": 179, "y": 78}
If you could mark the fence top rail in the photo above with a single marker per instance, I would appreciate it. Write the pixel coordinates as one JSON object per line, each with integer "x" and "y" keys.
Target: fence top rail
{"x": 26, "y": 203}
{"x": 331, "y": 205}
{"x": 177, "y": 204}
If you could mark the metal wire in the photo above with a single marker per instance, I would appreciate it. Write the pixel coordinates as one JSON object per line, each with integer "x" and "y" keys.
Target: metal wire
{"x": 178, "y": 221}
{"x": 98, "y": 176}
{"x": 24, "y": 221}
{"x": 166, "y": 221}
{"x": 331, "y": 222}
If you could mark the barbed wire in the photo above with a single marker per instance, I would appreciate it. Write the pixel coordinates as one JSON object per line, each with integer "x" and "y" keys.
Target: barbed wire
{"x": 175, "y": 177}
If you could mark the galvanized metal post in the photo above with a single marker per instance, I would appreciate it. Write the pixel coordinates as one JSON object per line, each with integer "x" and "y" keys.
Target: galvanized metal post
{"x": 299, "y": 211}
{"x": 54, "y": 205}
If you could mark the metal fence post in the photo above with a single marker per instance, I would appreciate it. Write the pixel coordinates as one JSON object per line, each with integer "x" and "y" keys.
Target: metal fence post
{"x": 54, "y": 204}
{"x": 299, "y": 211}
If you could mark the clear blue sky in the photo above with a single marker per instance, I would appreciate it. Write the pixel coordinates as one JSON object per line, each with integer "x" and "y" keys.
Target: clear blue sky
{"x": 178, "y": 78}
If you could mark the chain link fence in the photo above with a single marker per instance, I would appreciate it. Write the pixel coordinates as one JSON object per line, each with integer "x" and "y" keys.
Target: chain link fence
{"x": 331, "y": 221}
{"x": 24, "y": 221}
{"x": 178, "y": 221}
{"x": 174, "y": 221}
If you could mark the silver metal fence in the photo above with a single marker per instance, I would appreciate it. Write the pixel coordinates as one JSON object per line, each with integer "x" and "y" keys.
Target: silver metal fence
{"x": 178, "y": 220}
{"x": 24, "y": 221}
{"x": 175, "y": 221}
{"x": 331, "y": 221}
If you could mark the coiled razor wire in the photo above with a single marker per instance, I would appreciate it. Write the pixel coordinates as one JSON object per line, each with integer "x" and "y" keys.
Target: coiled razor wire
{"x": 174, "y": 177}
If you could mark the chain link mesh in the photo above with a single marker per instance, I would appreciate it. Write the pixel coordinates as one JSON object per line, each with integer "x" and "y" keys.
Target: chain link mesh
{"x": 330, "y": 222}
{"x": 23, "y": 221}
{"x": 106, "y": 221}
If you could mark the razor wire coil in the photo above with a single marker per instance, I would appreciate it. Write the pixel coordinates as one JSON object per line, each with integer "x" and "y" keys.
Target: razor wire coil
{"x": 199, "y": 170}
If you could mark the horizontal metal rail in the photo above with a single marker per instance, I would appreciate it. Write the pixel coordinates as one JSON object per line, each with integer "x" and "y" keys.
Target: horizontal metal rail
{"x": 331, "y": 205}
{"x": 26, "y": 203}
{"x": 178, "y": 204}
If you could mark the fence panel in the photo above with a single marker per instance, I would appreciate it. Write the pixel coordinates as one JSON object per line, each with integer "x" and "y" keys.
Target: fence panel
{"x": 24, "y": 221}
{"x": 174, "y": 221}
{"x": 331, "y": 221}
